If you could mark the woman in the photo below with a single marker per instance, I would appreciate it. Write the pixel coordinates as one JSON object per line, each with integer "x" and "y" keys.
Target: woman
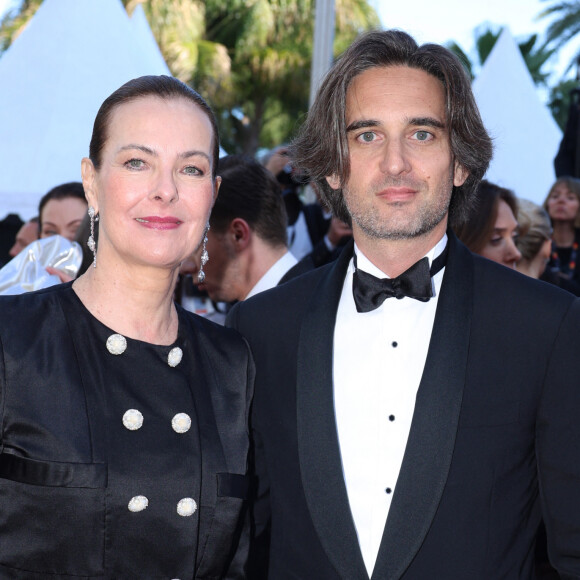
{"x": 62, "y": 210}
{"x": 124, "y": 420}
{"x": 534, "y": 240}
{"x": 491, "y": 230}
{"x": 563, "y": 207}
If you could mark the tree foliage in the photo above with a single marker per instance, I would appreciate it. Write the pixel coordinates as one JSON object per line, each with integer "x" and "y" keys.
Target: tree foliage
{"x": 535, "y": 55}
{"x": 565, "y": 26}
{"x": 250, "y": 58}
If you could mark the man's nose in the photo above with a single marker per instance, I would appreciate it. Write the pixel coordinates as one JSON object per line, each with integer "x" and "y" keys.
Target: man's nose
{"x": 395, "y": 158}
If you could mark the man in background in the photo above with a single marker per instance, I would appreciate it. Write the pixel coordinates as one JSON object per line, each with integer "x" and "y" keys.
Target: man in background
{"x": 247, "y": 236}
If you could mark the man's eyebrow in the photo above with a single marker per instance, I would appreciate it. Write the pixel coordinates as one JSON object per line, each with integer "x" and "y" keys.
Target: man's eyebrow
{"x": 426, "y": 122}
{"x": 413, "y": 122}
{"x": 362, "y": 124}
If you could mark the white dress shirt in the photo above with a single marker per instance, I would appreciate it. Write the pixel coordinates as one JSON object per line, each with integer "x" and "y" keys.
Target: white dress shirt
{"x": 274, "y": 274}
{"x": 378, "y": 363}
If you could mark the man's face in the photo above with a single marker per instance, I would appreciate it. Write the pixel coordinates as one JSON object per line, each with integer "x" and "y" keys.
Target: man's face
{"x": 222, "y": 271}
{"x": 402, "y": 168}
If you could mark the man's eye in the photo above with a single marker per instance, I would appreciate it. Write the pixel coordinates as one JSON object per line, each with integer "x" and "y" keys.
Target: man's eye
{"x": 368, "y": 136}
{"x": 422, "y": 135}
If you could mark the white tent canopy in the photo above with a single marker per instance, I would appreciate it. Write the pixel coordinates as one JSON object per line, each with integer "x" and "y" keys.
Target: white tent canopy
{"x": 54, "y": 77}
{"x": 525, "y": 135}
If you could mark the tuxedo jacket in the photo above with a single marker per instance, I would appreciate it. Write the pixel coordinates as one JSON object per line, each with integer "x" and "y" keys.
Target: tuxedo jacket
{"x": 494, "y": 444}
{"x": 69, "y": 465}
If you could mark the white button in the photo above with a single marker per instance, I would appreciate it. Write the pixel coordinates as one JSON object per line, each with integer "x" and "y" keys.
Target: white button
{"x": 181, "y": 423}
{"x": 133, "y": 419}
{"x": 174, "y": 357}
{"x": 138, "y": 503}
{"x": 186, "y": 507}
{"x": 116, "y": 344}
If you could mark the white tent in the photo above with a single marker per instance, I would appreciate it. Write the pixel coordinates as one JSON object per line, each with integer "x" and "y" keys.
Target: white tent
{"x": 54, "y": 77}
{"x": 525, "y": 135}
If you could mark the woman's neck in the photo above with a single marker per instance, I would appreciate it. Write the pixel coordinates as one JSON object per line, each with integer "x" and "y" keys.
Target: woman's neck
{"x": 564, "y": 233}
{"x": 533, "y": 268}
{"x": 137, "y": 304}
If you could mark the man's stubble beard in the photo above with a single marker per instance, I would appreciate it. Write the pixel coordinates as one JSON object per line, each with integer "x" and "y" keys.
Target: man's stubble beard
{"x": 399, "y": 225}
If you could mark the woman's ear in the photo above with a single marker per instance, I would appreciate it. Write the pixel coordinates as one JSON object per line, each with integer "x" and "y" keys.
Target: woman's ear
{"x": 88, "y": 175}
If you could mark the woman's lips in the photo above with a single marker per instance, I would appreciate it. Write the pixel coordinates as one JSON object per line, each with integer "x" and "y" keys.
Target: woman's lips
{"x": 159, "y": 223}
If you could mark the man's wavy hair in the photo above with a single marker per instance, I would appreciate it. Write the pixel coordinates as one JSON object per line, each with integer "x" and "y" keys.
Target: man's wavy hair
{"x": 321, "y": 147}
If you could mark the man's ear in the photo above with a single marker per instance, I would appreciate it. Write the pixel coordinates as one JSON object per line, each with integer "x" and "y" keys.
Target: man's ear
{"x": 241, "y": 233}
{"x": 88, "y": 175}
{"x": 333, "y": 181}
{"x": 216, "y": 188}
{"x": 460, "y": 174}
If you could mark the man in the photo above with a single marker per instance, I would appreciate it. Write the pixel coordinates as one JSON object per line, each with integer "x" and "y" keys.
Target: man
{"x": 27, "y": 234}
{"x": 410, "y": 437}
{"x": 246, "y": 242}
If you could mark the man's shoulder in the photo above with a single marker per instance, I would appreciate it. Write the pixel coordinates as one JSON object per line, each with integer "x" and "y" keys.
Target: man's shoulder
{"x": 280, "y": 305}
{"x": 498, "y": 282}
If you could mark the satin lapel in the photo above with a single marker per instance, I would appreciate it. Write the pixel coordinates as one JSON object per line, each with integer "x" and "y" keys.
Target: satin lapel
{"x": 432, "y": 437}
{"x": 320, "y": 462}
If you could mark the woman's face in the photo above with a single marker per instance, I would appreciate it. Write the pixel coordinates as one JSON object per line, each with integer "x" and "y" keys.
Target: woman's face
{"x": 501, "y": 247}
{"x": 563, "y": 205}
{"x": 62, "y": 217}
{"x": 154, "y": 190}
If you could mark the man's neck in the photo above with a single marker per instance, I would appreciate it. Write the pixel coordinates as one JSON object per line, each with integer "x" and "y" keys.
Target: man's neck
{"x": 263, "y": 257}
{"x": 393, "y": 257}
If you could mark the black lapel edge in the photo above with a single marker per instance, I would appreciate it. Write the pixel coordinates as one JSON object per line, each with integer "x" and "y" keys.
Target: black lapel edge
{"x": 318, "y": 446}
{"x": 429, "y": 450}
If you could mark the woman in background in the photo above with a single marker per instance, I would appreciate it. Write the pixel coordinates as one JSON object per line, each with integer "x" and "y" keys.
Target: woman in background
{"x": 563, "y": 207}
{"x": 124, "y": 417}
{"x": 491, "y": 229}
{"x": 62, "y": 210}
{"x": 534, "y": 241}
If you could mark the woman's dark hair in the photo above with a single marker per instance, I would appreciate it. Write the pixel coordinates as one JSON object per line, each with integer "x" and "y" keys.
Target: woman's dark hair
{"x": 321, "y": 148}
{"x": 71, "y": 189}
{"x": 162, "y": 86}
{"x": 573, "y": 185}
{"x": 477, "y": 230}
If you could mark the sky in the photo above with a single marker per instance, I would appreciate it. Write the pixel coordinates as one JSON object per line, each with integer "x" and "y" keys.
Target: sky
{"x": 443, "y": 20}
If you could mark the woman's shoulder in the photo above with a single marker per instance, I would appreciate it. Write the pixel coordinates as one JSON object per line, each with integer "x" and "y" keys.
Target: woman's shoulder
{"x": 30, "y": 304}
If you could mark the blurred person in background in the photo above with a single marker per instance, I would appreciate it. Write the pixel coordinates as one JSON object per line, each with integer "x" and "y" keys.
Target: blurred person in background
{"x": 62, "y": 210}
{"x": 563, "y": 207}
{"x": 124, "y": 417}
{"x": 491, "y": 228}
{"x": 534, "y": 240}
{"x": 307, "y": 223}
{"x": 27, "y": 234}
{"x": 247, "y": 235}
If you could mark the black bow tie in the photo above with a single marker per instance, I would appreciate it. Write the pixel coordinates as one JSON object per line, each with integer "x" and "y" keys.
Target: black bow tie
{"x": 370, "y": 292}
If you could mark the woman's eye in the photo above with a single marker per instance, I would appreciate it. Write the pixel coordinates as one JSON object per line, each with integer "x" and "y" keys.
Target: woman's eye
{"x": 495, "y": 241}
{"x": 191, "y": 170}
{"x": 135, "y": 163}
